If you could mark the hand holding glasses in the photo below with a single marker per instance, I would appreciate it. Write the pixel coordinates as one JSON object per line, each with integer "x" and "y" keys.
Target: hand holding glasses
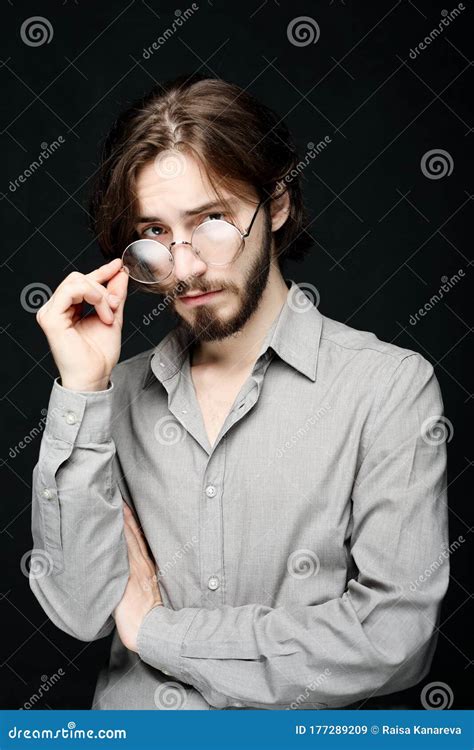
{"x": 215, "y": 241}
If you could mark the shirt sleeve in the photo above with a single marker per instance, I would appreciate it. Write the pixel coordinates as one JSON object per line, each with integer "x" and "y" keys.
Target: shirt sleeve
{"x": 79, "y": 562}
{"x": 379, "y": 636}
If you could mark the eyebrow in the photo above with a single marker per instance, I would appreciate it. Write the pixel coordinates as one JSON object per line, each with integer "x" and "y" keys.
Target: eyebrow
{"x": 190, "y": 212}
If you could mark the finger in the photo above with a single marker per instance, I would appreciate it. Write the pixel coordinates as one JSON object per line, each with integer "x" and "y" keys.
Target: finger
{"x": 130, "y": 520}
{"x": 105, "y": 272}
{"x": 80, "y": 289}
{"x": 117, "y": 286}
{"x": 132, "y": 544}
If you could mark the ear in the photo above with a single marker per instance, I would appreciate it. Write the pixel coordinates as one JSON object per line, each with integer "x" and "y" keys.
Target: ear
{"x": 279, "y": 209}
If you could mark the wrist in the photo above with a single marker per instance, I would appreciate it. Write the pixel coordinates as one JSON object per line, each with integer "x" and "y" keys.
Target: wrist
{"x": 98, "y": 385}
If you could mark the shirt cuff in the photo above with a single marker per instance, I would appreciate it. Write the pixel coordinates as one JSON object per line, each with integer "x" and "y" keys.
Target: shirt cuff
{"x": 160, "y": 639}
{"x": 79, "y": 416}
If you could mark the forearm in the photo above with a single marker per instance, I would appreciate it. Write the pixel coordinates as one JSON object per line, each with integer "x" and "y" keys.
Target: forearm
{"x": 80, "y": 568}
{"x": 292, "y": 657}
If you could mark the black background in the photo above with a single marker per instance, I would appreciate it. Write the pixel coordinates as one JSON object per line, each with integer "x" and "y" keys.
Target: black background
{"x": 384, "y": 233}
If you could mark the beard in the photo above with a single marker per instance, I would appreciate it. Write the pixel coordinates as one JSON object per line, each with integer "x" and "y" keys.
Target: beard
{"x": 206, "y": 324}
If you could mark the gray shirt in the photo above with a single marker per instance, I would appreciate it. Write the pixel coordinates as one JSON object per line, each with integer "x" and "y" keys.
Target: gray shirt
{"x": 301, "y": 558}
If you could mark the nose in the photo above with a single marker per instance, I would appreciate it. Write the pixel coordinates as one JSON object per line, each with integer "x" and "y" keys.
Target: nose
{"x": 186, "y": 262}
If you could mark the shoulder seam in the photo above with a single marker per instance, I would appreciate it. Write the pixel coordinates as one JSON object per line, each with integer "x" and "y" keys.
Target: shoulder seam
{"x": 404, "y": 352}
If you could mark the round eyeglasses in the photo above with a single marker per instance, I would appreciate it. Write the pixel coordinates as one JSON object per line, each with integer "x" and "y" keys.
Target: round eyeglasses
{"x": 217, "y": 242}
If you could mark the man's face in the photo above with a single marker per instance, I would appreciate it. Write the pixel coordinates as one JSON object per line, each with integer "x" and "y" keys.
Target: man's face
{"x": 165, "y": 191}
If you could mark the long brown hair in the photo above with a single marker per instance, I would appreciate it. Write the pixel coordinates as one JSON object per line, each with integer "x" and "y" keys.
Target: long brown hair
{"x": 239, "y": 141}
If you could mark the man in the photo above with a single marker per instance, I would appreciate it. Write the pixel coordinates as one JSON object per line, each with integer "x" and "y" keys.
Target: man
{"x": 249, "y": 505}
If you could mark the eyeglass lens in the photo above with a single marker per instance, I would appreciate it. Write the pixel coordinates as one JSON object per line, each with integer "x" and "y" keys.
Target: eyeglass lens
{"x": 149, "y": 261}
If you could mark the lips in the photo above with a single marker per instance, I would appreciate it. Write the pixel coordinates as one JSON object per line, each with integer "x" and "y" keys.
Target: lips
{"x": 199, "y": 294}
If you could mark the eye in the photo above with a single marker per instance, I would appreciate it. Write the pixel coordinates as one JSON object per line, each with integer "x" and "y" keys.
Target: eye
{"x": 216, "y": 215}
{"x": 154, "y": 231}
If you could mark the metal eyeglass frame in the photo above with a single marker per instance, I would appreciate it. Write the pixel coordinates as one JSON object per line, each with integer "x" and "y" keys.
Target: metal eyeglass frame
{"x": 243, "y": 236}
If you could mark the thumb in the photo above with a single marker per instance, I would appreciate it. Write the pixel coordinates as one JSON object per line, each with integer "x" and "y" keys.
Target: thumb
{"x": 118, "y": 286}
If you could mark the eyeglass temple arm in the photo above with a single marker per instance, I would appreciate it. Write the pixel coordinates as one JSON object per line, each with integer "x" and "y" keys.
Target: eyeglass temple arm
{"x": 246, "y": 234}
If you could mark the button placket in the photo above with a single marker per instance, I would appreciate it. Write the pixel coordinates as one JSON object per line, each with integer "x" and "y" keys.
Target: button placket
{"x": 211, "y": 533}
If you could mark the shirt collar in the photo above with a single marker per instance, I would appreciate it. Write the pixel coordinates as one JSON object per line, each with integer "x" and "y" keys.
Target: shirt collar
{"x": 294, "y": 335}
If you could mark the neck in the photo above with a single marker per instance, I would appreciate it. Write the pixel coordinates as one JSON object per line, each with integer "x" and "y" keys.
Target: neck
{"x": 240, "y": 351}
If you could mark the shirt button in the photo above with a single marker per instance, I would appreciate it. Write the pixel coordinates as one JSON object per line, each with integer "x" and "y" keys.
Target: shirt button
{"x": 47, "y": 494}
{"x": 70, "y": 417}
{"x": 210, "y": 490}
{"x": 213, "y": 583}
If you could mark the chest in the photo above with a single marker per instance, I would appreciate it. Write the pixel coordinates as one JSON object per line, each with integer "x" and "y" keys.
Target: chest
{"x": 216, "y": 395}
